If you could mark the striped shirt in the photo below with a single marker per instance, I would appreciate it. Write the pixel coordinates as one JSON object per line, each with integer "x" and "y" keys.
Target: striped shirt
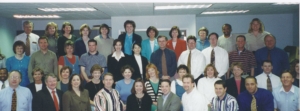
{"x": 106, "y": 100}
{"x": 151, "y": 92}
{"x": 245, "y": 57}
{"x": 228, "y": 103}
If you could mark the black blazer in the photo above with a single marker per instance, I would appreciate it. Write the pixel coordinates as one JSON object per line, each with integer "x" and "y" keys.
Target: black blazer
{"x": 135, "y": 39}
{"x": 133, "y": 63}
{"x": 80, "y": 47}
{"x": 114, "y": 66}
{"x": 32, "y": 89}
{"x": 43, "y": 101}
{"x": 232, "y": 88}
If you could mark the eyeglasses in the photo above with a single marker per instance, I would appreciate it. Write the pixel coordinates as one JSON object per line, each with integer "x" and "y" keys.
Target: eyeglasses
{"x": 14, "y": 77}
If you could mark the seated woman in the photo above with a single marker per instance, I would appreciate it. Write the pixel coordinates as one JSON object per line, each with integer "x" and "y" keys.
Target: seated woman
{"x": 177, "y": 85}
{"x": 65, "y": 74}
{"x": 38, "y": 84}
{"x": 139, "y": 100}
{"x": 124, "y": 86}
{"x": 236, "y": 85}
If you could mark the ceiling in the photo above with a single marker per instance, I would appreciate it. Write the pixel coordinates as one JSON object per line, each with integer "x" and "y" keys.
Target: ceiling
{"x": 108, "y": 10}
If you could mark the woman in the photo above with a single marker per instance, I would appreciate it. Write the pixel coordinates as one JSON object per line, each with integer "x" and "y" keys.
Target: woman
{"x": 67, "y": 30}
{"x": 152, "y": 84}
{"x": 236, "y": 85}
{"x": 295, "y": 71}
{"x": 104, "y": 42}
{"x": 202, "y": 42}
{"x": 19, "y": 62}
{"x": 69, "y": 59}
{"x": 176, "y": 44}
{"x": 37, "y": 84}
{"x": 81, "y": 44}
{"x": 206, "y": 84}
{"x": 150, "y": 45}
{"x": 64, "y": 81}
{"x": 76, "y": 98}
{"x": 139, "y": 100}
{"x": 256, "y": 34}
{"x": 138, "y": 62}
{"x": 52, "y": 35}
{"x": 177, "y": 85}
{"x": 117, "y": 60}
{"x": 123, "y": 86}
{"x": 95, "y": 85}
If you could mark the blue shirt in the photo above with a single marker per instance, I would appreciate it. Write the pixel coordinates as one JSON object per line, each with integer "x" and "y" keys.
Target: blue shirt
{"x": 13, "y": 63}
{"x": 124, "y": 89}
{"x": 128, "y": 44}
{"x": 286, "y": 101}
{"x": 279, "y": 58}
{"x": 24, "y": 99}
{"x": 200, "y": 46}
{"x": 170, "y": 61}
{"x": 264, "y": 100}
{"x": 228, "y": 103}
{"x": 87, "y": 60}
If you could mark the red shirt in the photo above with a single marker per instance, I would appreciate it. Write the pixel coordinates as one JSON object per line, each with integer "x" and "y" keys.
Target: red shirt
{"x": 61, "y": 60}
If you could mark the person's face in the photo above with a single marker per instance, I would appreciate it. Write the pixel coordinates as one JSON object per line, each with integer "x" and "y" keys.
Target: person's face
{"x": 76, "y": 81}
{"x": 51, "y": 30}
{"x": 187, "y": 84}
{"x": 226, "y": 30}
{"x": 162, "y": 42}
{"x": 213, "y": 40}
{"x": 138, "y": 87}
{"x": 43, "y": 44}
{"x": 19, "y": 50}
{"x": 96, "y": 74}
{"x": 127, "y": 74}
{"x": 237, "y": 72}
{"x": 51, "y": 82}
{"x": 240, "y": 42}
{"x": 165, "y": 87}
{"x": 108, "y": 81}
{"x": 210, "y": 72}
{"x": 269, "y": 42}
{"x": 151, "y": 72}
{"x": 85, "y": 32}
{"x": 297, "y": 68}
{"x": 182, "y": 72}
{"x": 202, "y": 35}
{"x": 37, "y": 76}
{"x": 69, "y": 50}
{"x": 129, "y": 28}
{"x": 174, "y": 33}
{"x": 151, "y": 33}
{"x": 65, "y": 74}
{"x": 3, "y": 75}
{"x": 287, "y": 79}
{"x": 191, "y": 44}
{"x": 118, "y": 46}
{"x": 92, "y": 46}
{"x": 14, "y": 79}
{"x": 104, "y": 31}
{"x": 136, "y": 49}
{"x": 267, "y": 67}
{"x": 28, "y": 28}
{"x": 220, "y": 90}
{"x": 251, "y": 86}
{"x": 67, "y": 29}
{"x": 255, "y": 26}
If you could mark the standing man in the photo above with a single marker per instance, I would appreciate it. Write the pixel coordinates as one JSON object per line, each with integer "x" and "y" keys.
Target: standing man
{"x": 164, "y": 59}
{"x": 168, "y": 101}
{"x": 50, "y": 98}
{"x": 227, "y": 40}
{"x": 193, "y": 58}
{"x": 30, "y": 39}
{"x": 202, "y": 42}
{"x": 129, "y": 37}
{"x": 3, "y": 78}
{"x": 270, "y": 52}
{"x": 268, "y": 80}
{"x": 216, "y": 55}
{"x": 44, "y": 59}
{"x": 15, "y": 97}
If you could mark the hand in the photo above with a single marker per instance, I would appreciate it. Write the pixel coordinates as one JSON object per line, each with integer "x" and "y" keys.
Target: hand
{"x": 88, "y": 80}
{"x": 165, "y": 77}
{"x": 124, "y": 107}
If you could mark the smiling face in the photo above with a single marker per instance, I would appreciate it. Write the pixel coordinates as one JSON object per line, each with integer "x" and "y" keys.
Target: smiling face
{"x": 19, "y": 50}
{"x": 226, "y": 30}
{"x": 138, "y": 87}
{"x": 3, "y": 75}
{"x": 75, "y": 81}
{"x": 37, "y": 76}
{"x": 287, "y": 79}
{"x": 202, "y": 35}
{"x": 251, "y": 85}
{"x": 43, "y": 43}
{"x": 187, "y": 84}
{"x": 96, "y": 74}
{"x": 255, "y": 26}
{"x": 65, "y": 74}
{"x": 127, "y": 74}
{"x": 220, "y": 90}
{"x": 85, "y": 32}
{"x": 108, "y": 81}
{"x": 151, "y": 72}
{"x": 92, "y": 46}
{"x": 165, "y": 88}
{"x": 267, "y": 67}
{"x": 67, "y": 29}
{"x": 51, "y": 30}
{"x": 191, "y": 44}
{"x": 270, "y": 42}
{"x": 237, "y": 71}
{"x": 129, "y": 28}
{"x": 136, "y": 49}
{"x": 210, "y": 72}
{"x": 240, "y": 42}
{"x": 175, "y": 33}
{"x": 162, "y": 42}
{"x": 51, "y": 82}
{"x": 28, "y": 28}
{"x": 213, "y": 40}
{"x": 69, "y": 50}
{"x": 14, "y": 79}
{"x": 182, "y": 72}
{"x": 118, "y": 46}
{"x": 104, "y": 31}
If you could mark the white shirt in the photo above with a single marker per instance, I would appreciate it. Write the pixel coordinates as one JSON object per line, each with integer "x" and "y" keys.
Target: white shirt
{"x": 227, "y": 43}
{"x": 253, "y": 42}
{"x": 5, "y": 83}
{"x": 194, "y": 101}
{"x": 152, "y": 45}
{"x": 207, "y": 88}
{"x": 197, "y": 61}
{"x": 33, "y": 38}
{"x": 118, "y": 58}
{"x": 139, "y": 62}
{"x": 262, "y": 80}
{"x": 38, "y": 87}
{"x": 221, "y": 59}
{"x": 86, "y": 44}
{"x": 50, "y": 91}
{"x": 173, "y": 85}
{"x": 174, "y": 44}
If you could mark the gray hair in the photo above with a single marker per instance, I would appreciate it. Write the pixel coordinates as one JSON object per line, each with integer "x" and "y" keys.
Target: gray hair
{"x": 50, "y": 75}
{"x": 27, "y": 22}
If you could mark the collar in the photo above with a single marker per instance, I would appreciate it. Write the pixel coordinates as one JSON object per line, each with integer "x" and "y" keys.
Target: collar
{"x": 230, "y": 36}
{"x": 165, "y": 96}
{"x": 271, "y": 74}
{"x": 102, "y": 37}
{"x": 291, "y": 90}
{"x": 13, "y": 89}
{"x": 242, "y": 50}
{"x": 193, "y": 49}
{"x": 223, "y": 97}
{"x": 129, "y": 35}
{"x": 122, "y": 54}
{"x": 91, "y": 54}
{"x": 50, "y": 89}
{"x": 106, "y": 90}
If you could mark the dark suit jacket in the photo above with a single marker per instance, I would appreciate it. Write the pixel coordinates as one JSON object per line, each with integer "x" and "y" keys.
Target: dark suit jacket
{"x": 80, "y": 47}
{"x": 43, "y": 101}
{"x": 114, "y": 66}
{"x": 32, "y": 89}
{"x": 232, "y": 88}
{"x": 133, "y": 63}
{"x": 179, "y": 48}
{"x": 172, "y": 103}
{"x": 135, "y": 39}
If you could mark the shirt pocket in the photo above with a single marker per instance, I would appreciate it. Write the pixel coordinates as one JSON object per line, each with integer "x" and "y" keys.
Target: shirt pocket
{"x": 23, "y": 103}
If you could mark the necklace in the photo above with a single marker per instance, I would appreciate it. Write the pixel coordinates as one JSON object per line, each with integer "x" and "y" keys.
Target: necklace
{"x": 139, "y": 100}
{"x": 97, "y": 88}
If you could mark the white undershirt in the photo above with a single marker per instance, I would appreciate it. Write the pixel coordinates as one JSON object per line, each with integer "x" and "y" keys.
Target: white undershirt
{"x": 38, "y": 87}
{"x": 174, "y": 45}
{"x": 152, "y": 45}
{"x": 139, "y": 62}
{"x": 86, "y": 45}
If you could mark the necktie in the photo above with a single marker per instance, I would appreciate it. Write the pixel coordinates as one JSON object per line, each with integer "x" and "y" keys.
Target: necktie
{"x": 269, "y": 55}
{"x": 212, "y": 57}
{"x": 14, "y": 101}
{"x": 3, "y": 86}
{"x": 164, "y": 64}
{"x": 189, "y": 61}
{"x": 269, "y": 85}
{"x": 27, "y": 49}
{"x": 253, "y": 104}
{"x": 55, "y": 101}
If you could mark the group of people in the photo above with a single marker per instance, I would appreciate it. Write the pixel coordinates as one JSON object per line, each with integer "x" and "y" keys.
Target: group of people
{"x": 218, "y": 73}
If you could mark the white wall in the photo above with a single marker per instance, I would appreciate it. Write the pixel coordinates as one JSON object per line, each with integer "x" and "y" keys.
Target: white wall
{"x": 8, "y": 33}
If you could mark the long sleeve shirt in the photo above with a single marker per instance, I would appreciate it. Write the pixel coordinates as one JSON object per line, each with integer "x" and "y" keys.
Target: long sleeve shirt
{"x": 255, "y": 42}
{"x": 228, "y": 103}
{"x": 262, "y": 80}
{"x": 194, "y": 101}
{"x": 170, "y": 61}
{"x": 106, "y": 100}
{"x": 206, "y": 87}
{"x": 33, "y": 38}
{"x": 24, "y": 99}
{"x": 227, "y": 43}
{"x": 286, "y": 101}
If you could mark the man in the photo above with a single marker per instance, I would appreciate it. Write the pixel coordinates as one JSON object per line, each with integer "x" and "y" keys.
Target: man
{"x": 226, "y": 41}
{"x": 193, "y": 58}
{"x": 278, "y": 57}
{"x": 129, "y": 37}
{"x": 108, "y": 99}
{"x": 216, "y": 55}
{"x": 168, "y": 101}
{"x": 223, "y": 101}
{"x": 30, "y": 39}
{"x": 192, "y": 100}
{"x": 44, "y": 59}
{"x": 268, "y": 80}
{"x": 255, "y": 99}
{"x": 244, "y": 56}
{"x": 15, "y": 97}
{"x": 202, "y": 42}
{"x": 286, "y": 97}
{"x": 164, "y": 59}
{"x": 3, "y": 78}
{"x": 89, "y": 59}
{"x": 50, "y": 98}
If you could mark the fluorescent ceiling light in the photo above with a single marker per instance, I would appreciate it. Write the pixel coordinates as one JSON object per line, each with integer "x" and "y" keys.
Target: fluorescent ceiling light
{"x": 286, "y": 3}
{"x": 36, "y": 16}
{"x": 181, "y": 7}
{"x": 66, "y": 9}
{"x": 225, "y": 12}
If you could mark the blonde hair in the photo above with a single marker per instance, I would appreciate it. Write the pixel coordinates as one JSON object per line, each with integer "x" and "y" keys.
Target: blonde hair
{"x": 214, "y": 68}
{"x": 150, "y": 65}
{"x": 51, "y": 24}
{"x": 84, "y": 26}
{"x": 261, "y": 28}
